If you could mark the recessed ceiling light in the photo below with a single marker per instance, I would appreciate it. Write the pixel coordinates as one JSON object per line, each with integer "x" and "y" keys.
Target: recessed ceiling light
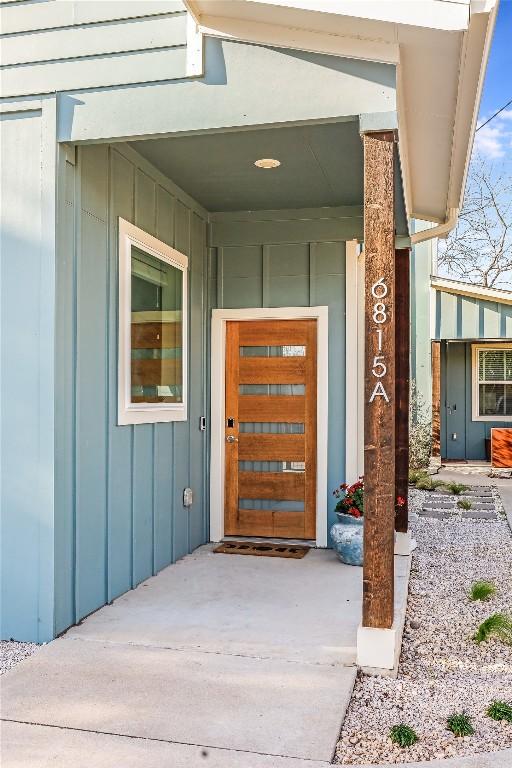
{"x": 267, "y": 162}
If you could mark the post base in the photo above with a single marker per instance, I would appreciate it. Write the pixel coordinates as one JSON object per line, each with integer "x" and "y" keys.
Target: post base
{"x": 404, "y": 543}
{"x": 378, "y": 649}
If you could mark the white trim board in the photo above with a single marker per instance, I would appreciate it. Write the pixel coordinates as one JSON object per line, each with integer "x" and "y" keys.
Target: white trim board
{"x": 475, "y": 381}
{"x": 218, "y": 358}
{"x": 146, "y": 413}
{"x": 354, "y": 362}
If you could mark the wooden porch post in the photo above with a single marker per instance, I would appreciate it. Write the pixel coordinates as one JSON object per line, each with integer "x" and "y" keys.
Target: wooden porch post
{"x": 402, "y": 353}
{"x": 436, "y": 399}
{"x": 379, "y": 405}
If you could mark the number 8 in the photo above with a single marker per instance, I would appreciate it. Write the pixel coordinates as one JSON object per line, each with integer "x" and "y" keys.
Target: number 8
{"x": 379, "y": 311}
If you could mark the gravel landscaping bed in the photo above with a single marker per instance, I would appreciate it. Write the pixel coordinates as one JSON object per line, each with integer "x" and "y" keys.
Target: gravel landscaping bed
{"x": 12, "y": 652}
{"x": 441, "y": 669}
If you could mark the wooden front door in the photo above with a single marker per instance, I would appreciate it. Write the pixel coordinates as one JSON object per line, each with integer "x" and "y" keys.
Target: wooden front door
{"x": 270, "y": 428}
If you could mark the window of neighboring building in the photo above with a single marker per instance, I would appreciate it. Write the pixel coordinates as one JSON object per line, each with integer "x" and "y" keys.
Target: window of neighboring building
{"x": 492, "y": 382}
{"x": 152, "y": 329}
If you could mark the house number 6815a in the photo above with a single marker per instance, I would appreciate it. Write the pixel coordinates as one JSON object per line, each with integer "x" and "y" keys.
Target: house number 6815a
{"x": 379, "y": 316}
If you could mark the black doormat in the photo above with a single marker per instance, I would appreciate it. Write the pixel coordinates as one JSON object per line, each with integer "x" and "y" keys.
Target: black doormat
{"x": 262, "y": 549}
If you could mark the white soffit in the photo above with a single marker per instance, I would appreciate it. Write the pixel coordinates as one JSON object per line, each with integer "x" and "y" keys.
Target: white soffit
{"x": 440, "y": 48}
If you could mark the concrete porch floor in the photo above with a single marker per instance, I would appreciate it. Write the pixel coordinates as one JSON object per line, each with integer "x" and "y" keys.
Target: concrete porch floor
{"x": 219, "y": 660}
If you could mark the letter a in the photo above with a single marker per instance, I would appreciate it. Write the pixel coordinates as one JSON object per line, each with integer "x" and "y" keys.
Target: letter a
{"x": 379, "y": 391}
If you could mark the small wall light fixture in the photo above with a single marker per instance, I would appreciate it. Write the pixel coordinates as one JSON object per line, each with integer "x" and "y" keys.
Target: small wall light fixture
{"x": 267, "y": 162}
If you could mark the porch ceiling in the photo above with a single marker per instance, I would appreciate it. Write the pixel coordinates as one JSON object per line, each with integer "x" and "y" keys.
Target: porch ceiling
{"x": 321, "y": 165}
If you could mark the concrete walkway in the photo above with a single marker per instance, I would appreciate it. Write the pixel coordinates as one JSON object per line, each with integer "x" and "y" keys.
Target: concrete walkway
{"x": 220, "y": 660}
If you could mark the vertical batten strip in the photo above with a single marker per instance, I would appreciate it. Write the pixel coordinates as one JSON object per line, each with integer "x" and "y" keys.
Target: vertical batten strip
{"x": 379, "y": 421}
{"x": 265, "y": 276}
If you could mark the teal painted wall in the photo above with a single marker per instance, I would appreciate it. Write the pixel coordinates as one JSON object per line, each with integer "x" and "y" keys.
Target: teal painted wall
{"x": 27, "y": 298}
{"x": 54, "y": 46}
{"x": 253, "y": 270}
{"x": 119, "y": 512}
{"x": 421, "y": 371}
{"x": 465, "y": 317}
{"x": 456, "y": 390}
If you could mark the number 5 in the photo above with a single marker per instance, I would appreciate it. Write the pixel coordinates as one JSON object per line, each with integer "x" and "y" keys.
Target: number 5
{"x": 377, "y": 363}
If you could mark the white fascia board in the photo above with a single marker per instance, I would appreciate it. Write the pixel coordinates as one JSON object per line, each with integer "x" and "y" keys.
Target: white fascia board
{"x": 303, "y": 39}
{"x": 434, "y": 14}
{"x": 474, "y": 56}
{"x": 195, "y": 49}
{"x": 459, "y": 288}
{"x": 444, "y": 15}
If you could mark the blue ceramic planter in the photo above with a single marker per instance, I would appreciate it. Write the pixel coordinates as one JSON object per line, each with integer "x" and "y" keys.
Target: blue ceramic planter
{"x": 347, "y": 538}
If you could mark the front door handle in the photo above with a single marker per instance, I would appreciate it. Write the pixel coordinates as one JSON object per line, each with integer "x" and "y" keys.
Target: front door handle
{"x": 231, "y": 439}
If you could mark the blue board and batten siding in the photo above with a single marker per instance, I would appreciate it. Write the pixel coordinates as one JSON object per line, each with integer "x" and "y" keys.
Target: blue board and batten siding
{"x": 456, "y": 390}
{"x": 290, "y": 259}
{"x": 459, "y": 321}
{"x": 119, "y": 510}
{"x": 91, "y": 509}
{"x": 468, "y": 317}
{"x": 27, "y": 251}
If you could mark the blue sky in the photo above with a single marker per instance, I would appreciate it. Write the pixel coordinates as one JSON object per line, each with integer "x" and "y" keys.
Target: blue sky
{"x": 494, "y": 141}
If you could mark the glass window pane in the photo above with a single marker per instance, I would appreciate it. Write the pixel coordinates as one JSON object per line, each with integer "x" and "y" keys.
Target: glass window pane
{"x": 272, "y": 466}
{"x": 492, "y": 399}
{"x": 508, "y": 400}
{"x": 492, "y": 365}
{"x": 283, "y": 351}
{"x": 271, "y": 389}
{"x": 508, "y": 365}
{"x": 156, "y": 330}
{"x": 273, "y": 504}
{"x": 274, "y": 428}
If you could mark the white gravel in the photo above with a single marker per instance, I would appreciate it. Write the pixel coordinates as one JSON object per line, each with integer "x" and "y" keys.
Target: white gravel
{"x": 441, "y": 669}
{"x": 12, "y": 652}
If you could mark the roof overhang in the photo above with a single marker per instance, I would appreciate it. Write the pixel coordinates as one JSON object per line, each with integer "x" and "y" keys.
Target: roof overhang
{"x": 459, "y": 288}
{"x": 440, "y": 49}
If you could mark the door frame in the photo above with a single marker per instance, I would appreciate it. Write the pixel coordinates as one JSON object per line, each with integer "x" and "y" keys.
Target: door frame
{"x": 218, "y": 360}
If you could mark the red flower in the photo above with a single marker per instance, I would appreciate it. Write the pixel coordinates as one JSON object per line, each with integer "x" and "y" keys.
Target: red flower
{"x": 400, "y": 502}
{"x": 355, "y": 512}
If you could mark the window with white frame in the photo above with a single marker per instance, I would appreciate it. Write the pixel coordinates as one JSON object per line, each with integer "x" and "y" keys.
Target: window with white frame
{"x": 152, "y": 329}
{"x": 492, "y": 382}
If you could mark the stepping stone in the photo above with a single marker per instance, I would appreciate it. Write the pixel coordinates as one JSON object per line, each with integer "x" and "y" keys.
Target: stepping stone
{"x": 440, "y": 505}
{"x": 437, "y": 514}
{"x": 482, "y": 504}
{"x": 470, "y": 514}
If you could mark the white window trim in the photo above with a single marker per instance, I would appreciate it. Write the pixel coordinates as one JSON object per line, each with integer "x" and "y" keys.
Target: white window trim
{"x": 354, "y": 373}
{"x": 145, "y": 413}
{"x": 475, "y": 348}
{"x": 218, "y": 361}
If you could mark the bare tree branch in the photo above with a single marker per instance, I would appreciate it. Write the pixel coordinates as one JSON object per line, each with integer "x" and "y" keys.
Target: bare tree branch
{"x": 479, "y": 250}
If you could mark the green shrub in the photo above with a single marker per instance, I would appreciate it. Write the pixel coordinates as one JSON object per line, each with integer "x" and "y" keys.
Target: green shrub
{"x": 464, "y": 504}
{"x": 500, "y": 710}
{"x": 420, "y": 430}
{"x": 456, "y": 488}
{"x": 428, "y": 483}
{"x": 498, "y": 625}
{"x": 482, "y": 590}
{"x": 460, "y": 724}
{"x": 403, "y": 735}
{"x": 417, "y": 474}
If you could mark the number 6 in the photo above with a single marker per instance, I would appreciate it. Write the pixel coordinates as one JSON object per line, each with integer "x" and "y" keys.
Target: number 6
{"x": 379, "y": 289}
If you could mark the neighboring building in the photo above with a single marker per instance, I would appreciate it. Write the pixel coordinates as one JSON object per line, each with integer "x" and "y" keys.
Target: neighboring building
{"x": 472, "y": 340}
{"x": 161, "y": 291}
